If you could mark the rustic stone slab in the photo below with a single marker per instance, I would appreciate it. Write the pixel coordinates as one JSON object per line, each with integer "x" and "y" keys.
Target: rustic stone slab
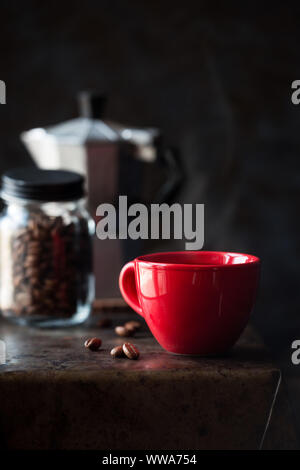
{"x": 55, "y": 394}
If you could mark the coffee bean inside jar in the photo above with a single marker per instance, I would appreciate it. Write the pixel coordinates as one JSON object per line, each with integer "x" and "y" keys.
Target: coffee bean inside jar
{"x": 46, "y": 248}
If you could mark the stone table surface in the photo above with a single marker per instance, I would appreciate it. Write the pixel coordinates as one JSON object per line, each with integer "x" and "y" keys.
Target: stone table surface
{"x": 55, "y": 394}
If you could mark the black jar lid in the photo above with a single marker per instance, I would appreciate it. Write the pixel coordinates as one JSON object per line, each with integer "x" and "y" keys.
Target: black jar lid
{"x": 34, "y": 184}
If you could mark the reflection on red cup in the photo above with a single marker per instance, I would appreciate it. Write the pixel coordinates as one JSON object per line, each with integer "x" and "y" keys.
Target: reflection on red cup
{"x": 194, "y": 302}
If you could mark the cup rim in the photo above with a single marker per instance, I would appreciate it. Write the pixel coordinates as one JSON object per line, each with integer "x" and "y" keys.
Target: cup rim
{"x": 149, "y": 260}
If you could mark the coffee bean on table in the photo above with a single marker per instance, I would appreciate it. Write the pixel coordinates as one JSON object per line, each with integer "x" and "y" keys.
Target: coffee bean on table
{"x": 130, "y": 351}
{"x": 133, "y": 325}
{"x": 117, "y": 352}
{"x": 122, "y": 331}
{"x": 93, "y": 344}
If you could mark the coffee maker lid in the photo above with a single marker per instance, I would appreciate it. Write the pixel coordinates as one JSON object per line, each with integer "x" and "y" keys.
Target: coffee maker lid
{"x": 74, "y": 132}
{"x": 89, "y": 127}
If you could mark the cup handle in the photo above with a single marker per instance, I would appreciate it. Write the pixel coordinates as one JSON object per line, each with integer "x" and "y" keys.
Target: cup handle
{"x": 128, "y": 287}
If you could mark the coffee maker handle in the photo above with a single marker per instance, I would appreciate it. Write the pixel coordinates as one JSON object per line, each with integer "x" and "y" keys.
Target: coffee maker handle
{"x": 128, "y": 287}
{"x": 175, "y": 175}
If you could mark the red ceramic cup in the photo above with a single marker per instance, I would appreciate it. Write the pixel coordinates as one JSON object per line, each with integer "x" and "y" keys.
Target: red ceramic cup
{"x": 194, "y": 302}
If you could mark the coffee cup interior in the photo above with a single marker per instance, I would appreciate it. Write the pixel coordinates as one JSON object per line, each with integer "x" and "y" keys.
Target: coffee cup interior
{"x": 199, "y": 258}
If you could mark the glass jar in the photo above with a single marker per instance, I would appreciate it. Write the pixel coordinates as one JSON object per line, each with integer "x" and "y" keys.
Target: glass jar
{"x": 46, "y": 233}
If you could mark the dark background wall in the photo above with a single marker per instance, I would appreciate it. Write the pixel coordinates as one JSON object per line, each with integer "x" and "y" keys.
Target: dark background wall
{"x": 216, "y": 78}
